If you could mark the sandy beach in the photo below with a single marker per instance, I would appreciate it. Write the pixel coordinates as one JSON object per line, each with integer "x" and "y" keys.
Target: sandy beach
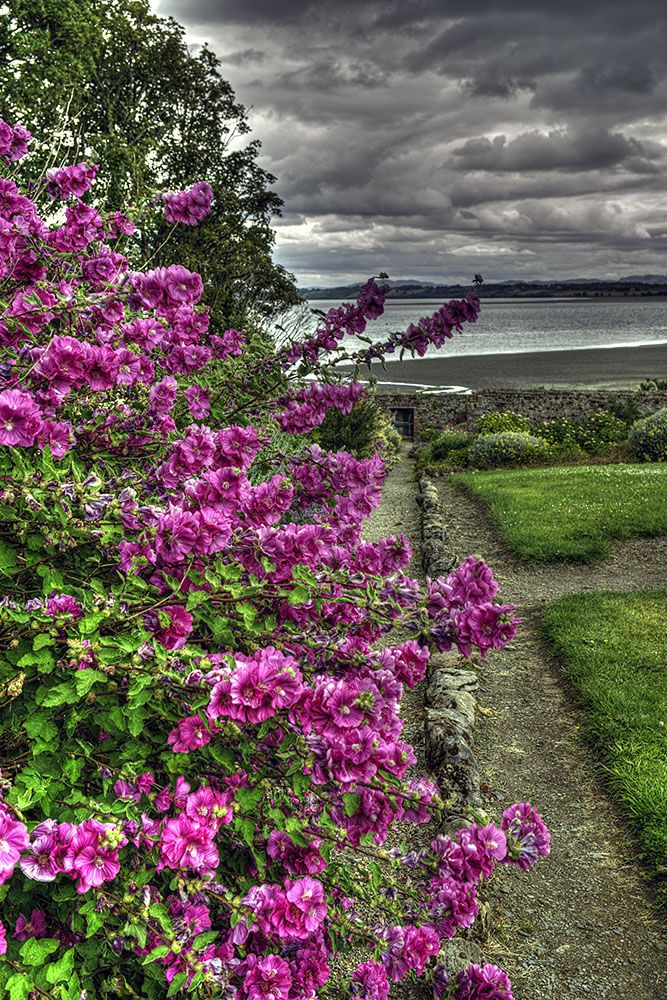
{"x": 604, "y": 368}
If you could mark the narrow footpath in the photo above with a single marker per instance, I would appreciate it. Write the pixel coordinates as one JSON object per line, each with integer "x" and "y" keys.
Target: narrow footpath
{"x": 580, "y": 924}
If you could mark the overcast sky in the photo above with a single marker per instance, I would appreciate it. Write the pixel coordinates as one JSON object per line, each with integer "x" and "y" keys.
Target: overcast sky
{"x": 438, "y": 138}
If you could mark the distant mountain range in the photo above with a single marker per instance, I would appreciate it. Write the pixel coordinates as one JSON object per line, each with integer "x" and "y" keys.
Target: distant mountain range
{"x": 638, "y": 285}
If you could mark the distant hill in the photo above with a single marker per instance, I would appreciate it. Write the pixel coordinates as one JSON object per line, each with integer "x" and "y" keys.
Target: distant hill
{"x": 638, "y": 286}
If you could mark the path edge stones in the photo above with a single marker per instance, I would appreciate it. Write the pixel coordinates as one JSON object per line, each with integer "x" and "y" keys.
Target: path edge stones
{"x": 449, "y": 722}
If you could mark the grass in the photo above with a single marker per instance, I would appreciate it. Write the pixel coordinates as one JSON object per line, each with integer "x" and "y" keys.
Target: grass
{"x": 614, "y": 647}
{"x": 571, "y": 513}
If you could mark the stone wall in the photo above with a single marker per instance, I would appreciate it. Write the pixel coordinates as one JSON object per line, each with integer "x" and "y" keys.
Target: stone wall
{"x": 536, "y": 404}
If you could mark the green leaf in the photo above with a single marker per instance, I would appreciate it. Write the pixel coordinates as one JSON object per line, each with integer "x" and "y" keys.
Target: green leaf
{"x": 89, "y": 624}
{"x": 43, "y": 659}
{"x": 249, "y": 614}
{"x": 351, "y": 802}
{"x": 136, "y": 718}
{"x": 18, "y": 987}
{"x": 34, "y": 951}
{"x": 246, "y": 827}
{"x": 301, "y": 783}
{"x": 71, "y": 990}
{"x": 8, "y": 558}
{"x": 294, "y": 827}
{"x": 177, "y": 982}
{"x": 156, "y": 953}
{"x": 84, "y": 680}
{"x": 195, "y": 598}
{"x": 202, "y": 940}
{"x": 298, "y": 595}
{"x": 61, "y": 694}
{"x": 41, "y": 640}
{"x": 62, "y": 968}
{"x": 248, "y": 798}
{"x": 40, "y": 726}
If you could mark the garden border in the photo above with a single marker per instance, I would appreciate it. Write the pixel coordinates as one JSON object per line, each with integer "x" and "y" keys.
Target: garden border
{"x": 449, "y": 722}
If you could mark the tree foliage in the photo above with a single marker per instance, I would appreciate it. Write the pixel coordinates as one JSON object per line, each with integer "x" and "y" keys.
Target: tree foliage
{"x": 125, "y": 92}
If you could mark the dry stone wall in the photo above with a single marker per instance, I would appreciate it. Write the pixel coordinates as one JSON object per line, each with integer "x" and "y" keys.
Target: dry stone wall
{"x": 536, "y": 404}
{"x": 449, "y": 721}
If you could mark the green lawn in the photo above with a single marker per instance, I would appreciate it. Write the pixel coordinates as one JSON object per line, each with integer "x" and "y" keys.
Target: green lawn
{"x": 614, "y": 647}
{"x": 571, "y": 513}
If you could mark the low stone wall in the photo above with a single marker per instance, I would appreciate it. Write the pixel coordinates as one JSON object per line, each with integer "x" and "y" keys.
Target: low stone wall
{"x": 449, "y": 720}
{"x": 536, "y": 404}
{"x": 450, "y": 705}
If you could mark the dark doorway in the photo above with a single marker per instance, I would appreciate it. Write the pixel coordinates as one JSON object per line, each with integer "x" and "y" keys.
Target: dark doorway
{"x": 404, "y": 421}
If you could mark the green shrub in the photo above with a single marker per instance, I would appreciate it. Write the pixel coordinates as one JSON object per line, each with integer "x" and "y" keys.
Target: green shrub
{"x": 496, "y": 423}
{"x": 568, "y": 451}
{"x": 600, "y": 428}
{"x": 391, "y": 438}
{"x": 449, "y": 439}
{"x": 648, "y": 437}
{"x": 627, "y": 408}
{"x": 507, "y": 448}
{"x": 356, "y": 432}
{"x": 458, "y": 457}
{"x": 561, "y": 432}
{"x": 653, "y": 384}
{"x": 423, "y": 456}
{"x": 429, "y": 434}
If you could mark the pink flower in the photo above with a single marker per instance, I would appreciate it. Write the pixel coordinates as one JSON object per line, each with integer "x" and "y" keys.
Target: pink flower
{"x": 307, "y": 894}
{"x": 20, "y": 418}
{"x": 184, "y": 844}
{"x": 191, "y": 733}
{"x": 3, "y": 939}
{"x": 95, "y": 865}
{"x": 59, "y": 435}
{"x": 74, "y": 180}
{"x": 269, "y": 978}
{"x": 190, "y": 206}
{"x": 129, "y": 367}
{"x": 34, "y": 927}
{"x": 171, "y": 625}
{"x": 198, "y": 401}
{"x": 89, "y": 856}
{"x": 41, "y": 864}
{"x": 13, "y": 840}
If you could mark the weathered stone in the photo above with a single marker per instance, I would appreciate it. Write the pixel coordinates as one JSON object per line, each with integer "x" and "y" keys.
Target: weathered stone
{"x": 447, "y": 735}
{"x": 441, "y": 567}
{"x": 440, "y": 694}
{"x": 458, "y": 954}
{"x": 453, "y": 678}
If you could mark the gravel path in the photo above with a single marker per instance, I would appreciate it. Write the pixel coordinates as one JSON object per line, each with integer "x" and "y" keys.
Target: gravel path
{"x": 580, "y": 924}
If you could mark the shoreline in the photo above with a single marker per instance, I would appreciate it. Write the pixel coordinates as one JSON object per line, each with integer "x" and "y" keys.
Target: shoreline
{"x": 613, "y": 368}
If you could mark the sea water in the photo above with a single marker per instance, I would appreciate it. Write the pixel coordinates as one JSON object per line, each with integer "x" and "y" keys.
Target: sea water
{"x": 510, "y": 326}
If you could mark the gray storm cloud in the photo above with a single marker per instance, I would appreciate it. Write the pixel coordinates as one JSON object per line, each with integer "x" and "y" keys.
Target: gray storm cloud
{"x": 407, "y": 127}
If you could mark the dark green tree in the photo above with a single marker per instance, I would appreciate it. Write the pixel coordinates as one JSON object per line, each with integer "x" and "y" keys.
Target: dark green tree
{"x": 110, "y": 82}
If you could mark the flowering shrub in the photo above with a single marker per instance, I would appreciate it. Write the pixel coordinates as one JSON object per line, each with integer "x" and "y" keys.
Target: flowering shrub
{"x": 648, "y": 437}
{"x": 561, "y": 432}
{"x": 497, "y": 423}
{"x": 507, "y": 448}
{"x": 365, "y": 431}
{"x": 195, "y": 716}
{"x": 600, "y": 428}
{"x": 447, "y": 441}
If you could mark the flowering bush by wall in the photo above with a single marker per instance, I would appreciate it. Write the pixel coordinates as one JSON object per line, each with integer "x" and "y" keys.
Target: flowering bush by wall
{"x": 193, "y": 714}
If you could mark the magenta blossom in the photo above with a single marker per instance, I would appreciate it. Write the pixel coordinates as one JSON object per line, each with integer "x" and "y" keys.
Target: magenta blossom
{"x": 13, "y": 840}
{"x": 34, "y": 927}
{"x": 190, "y": 206}
{"x": 20, "y": 418}
{"x": 268, "y": 979}
{"x": 171, "y": 625}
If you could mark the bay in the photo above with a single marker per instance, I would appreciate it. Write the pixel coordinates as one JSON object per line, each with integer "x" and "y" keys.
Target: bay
{"x": 517, "y": 326}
